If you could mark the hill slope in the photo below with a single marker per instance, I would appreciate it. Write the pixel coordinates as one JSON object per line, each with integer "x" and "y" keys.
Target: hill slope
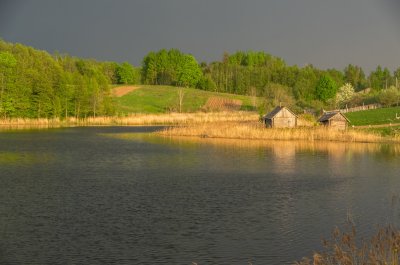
{"x": 159, "y": 99}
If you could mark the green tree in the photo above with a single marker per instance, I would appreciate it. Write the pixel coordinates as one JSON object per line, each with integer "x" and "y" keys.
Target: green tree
{"x": 326, "y": 88}
{"x": 336, "y": 76}
{"x": 396, "y": 76}
{"x": 126, "y": 74}
{"x": 207, "y": 83}
{"x": 276, "y": 94}
{"x": 389, "y": 97}
{"x": 188, "y": 72}
{"x": 354, "y": 75}
{"x": 380, "y": 78}
{"x": 304, "y": 88}
{"x": 149, "y": 69}
{"x": 170, "y": 68}
{"x": 7, "y": 64}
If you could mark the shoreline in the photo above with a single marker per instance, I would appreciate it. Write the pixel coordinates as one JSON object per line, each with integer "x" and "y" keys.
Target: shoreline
{"x": 137, "y": 119}
{"x": 218, "y": 125}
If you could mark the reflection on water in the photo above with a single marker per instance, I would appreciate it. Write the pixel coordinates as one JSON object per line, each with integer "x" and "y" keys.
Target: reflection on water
{"x": 121, "y": 196}
{"x": 280, "y": 148}
{"x": 19, "y": 158}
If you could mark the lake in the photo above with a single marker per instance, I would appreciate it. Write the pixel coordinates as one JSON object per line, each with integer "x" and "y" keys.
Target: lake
{"x": 115, "y": 195}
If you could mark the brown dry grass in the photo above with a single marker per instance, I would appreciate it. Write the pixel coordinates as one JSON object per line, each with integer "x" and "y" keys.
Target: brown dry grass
{"x": 123, "y": 90}
{"x": 382, "y": 248}
{"x": 257, "y": 131}
{"x": 137, "y": 119}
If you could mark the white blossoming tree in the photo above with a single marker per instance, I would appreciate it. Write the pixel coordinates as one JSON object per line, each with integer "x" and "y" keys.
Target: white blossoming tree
{"x": 344, "y": 94}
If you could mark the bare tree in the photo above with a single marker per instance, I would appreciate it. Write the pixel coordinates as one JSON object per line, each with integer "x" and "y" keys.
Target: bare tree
{"x": 253, "y": 95}
{"x": 181, "y": 94}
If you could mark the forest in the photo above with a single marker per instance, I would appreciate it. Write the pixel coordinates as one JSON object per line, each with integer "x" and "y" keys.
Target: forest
{"x": 36, "y": 84}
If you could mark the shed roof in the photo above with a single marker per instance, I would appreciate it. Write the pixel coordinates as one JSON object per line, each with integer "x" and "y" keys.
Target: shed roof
{"x": 329, "y": 115}
{"x": 275, "y": 111}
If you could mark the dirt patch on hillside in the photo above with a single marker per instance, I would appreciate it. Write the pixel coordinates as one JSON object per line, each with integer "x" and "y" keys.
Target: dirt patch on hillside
{"x": 222, "y": 104}
{"x": 123, "y": 90}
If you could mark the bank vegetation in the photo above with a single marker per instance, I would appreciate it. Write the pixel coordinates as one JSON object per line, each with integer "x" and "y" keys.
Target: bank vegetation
{"x": 137, "y": 119}
{"x": 257, "y": 131}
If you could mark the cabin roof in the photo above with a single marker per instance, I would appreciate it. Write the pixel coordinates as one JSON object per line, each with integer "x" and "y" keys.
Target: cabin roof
{"x": 329, "y": 115}
{"x": 275, "y": 111}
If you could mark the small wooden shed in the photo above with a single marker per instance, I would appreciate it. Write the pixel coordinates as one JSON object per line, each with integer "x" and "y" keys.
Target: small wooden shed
{"x": 280, "y": 117}
{"x": 334, "y": 119}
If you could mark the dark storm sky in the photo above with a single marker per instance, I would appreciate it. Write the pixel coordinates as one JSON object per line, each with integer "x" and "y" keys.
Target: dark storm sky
{"x": 326, "y": 33}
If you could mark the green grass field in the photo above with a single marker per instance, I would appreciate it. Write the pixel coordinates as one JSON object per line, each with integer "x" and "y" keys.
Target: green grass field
{"x": 160, "y": 99}
{"x": 374, "y": 117}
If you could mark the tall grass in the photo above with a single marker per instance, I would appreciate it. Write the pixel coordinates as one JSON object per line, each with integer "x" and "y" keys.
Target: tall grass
{"x": 137, "y": 119}
{"x": 383, "y": 248}
{"x": 254, "y": 130}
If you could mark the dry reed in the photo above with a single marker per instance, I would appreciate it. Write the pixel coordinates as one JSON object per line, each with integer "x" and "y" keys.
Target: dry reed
{"x": 257, "y": 131}
{"x": 137, "y": 119}
{"x": 383, "y": 248}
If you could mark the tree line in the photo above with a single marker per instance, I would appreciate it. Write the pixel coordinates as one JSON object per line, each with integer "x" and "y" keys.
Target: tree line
{"x": 264, "y": 75}
{"x": 36, "y": 84}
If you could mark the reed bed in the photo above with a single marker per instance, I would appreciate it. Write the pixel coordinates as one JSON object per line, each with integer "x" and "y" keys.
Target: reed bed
{"x": 383, "y": 248}
{"x": 257, "y": 131}
{"x": 176, "y": 118}
{"x": 138, "y": 119}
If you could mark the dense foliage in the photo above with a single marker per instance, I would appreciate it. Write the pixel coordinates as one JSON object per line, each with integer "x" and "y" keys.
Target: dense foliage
{"x": 326, "y": 88}
{"x": 170, "y": 68}
{"x": 35, "y": 84}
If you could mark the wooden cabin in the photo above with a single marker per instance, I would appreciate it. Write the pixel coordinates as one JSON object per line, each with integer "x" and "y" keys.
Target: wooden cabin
{"x": 335, "y": 120}
{"x": 280, "y": 117}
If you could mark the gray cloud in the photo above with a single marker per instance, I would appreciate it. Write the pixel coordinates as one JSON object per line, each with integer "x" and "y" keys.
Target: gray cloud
{"x": 325, "y": 33}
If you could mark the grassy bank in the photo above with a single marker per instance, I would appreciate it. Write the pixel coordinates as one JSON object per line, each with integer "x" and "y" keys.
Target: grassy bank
{"x": 375, "y": 116}
{"x": 257, "y": 131}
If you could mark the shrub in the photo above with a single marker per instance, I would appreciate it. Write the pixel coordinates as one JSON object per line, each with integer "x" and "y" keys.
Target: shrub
{"x": 389, "y": 97}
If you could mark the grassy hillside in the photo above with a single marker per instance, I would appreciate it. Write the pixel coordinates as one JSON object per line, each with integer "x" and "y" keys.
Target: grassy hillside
{"x": 159, "y": 99}
{"x": 374, "y": 117}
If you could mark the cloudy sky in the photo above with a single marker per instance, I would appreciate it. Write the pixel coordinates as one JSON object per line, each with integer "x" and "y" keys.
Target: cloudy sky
{"x": 326, "y": 33}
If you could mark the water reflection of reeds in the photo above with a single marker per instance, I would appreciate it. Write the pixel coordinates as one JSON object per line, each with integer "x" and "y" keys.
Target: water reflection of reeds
{"x": 289, "y": 148}
{"x": 282, "y": 149}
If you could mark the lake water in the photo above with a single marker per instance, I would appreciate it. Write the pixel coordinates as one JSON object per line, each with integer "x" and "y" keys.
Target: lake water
{"x": 100, "y": 196}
